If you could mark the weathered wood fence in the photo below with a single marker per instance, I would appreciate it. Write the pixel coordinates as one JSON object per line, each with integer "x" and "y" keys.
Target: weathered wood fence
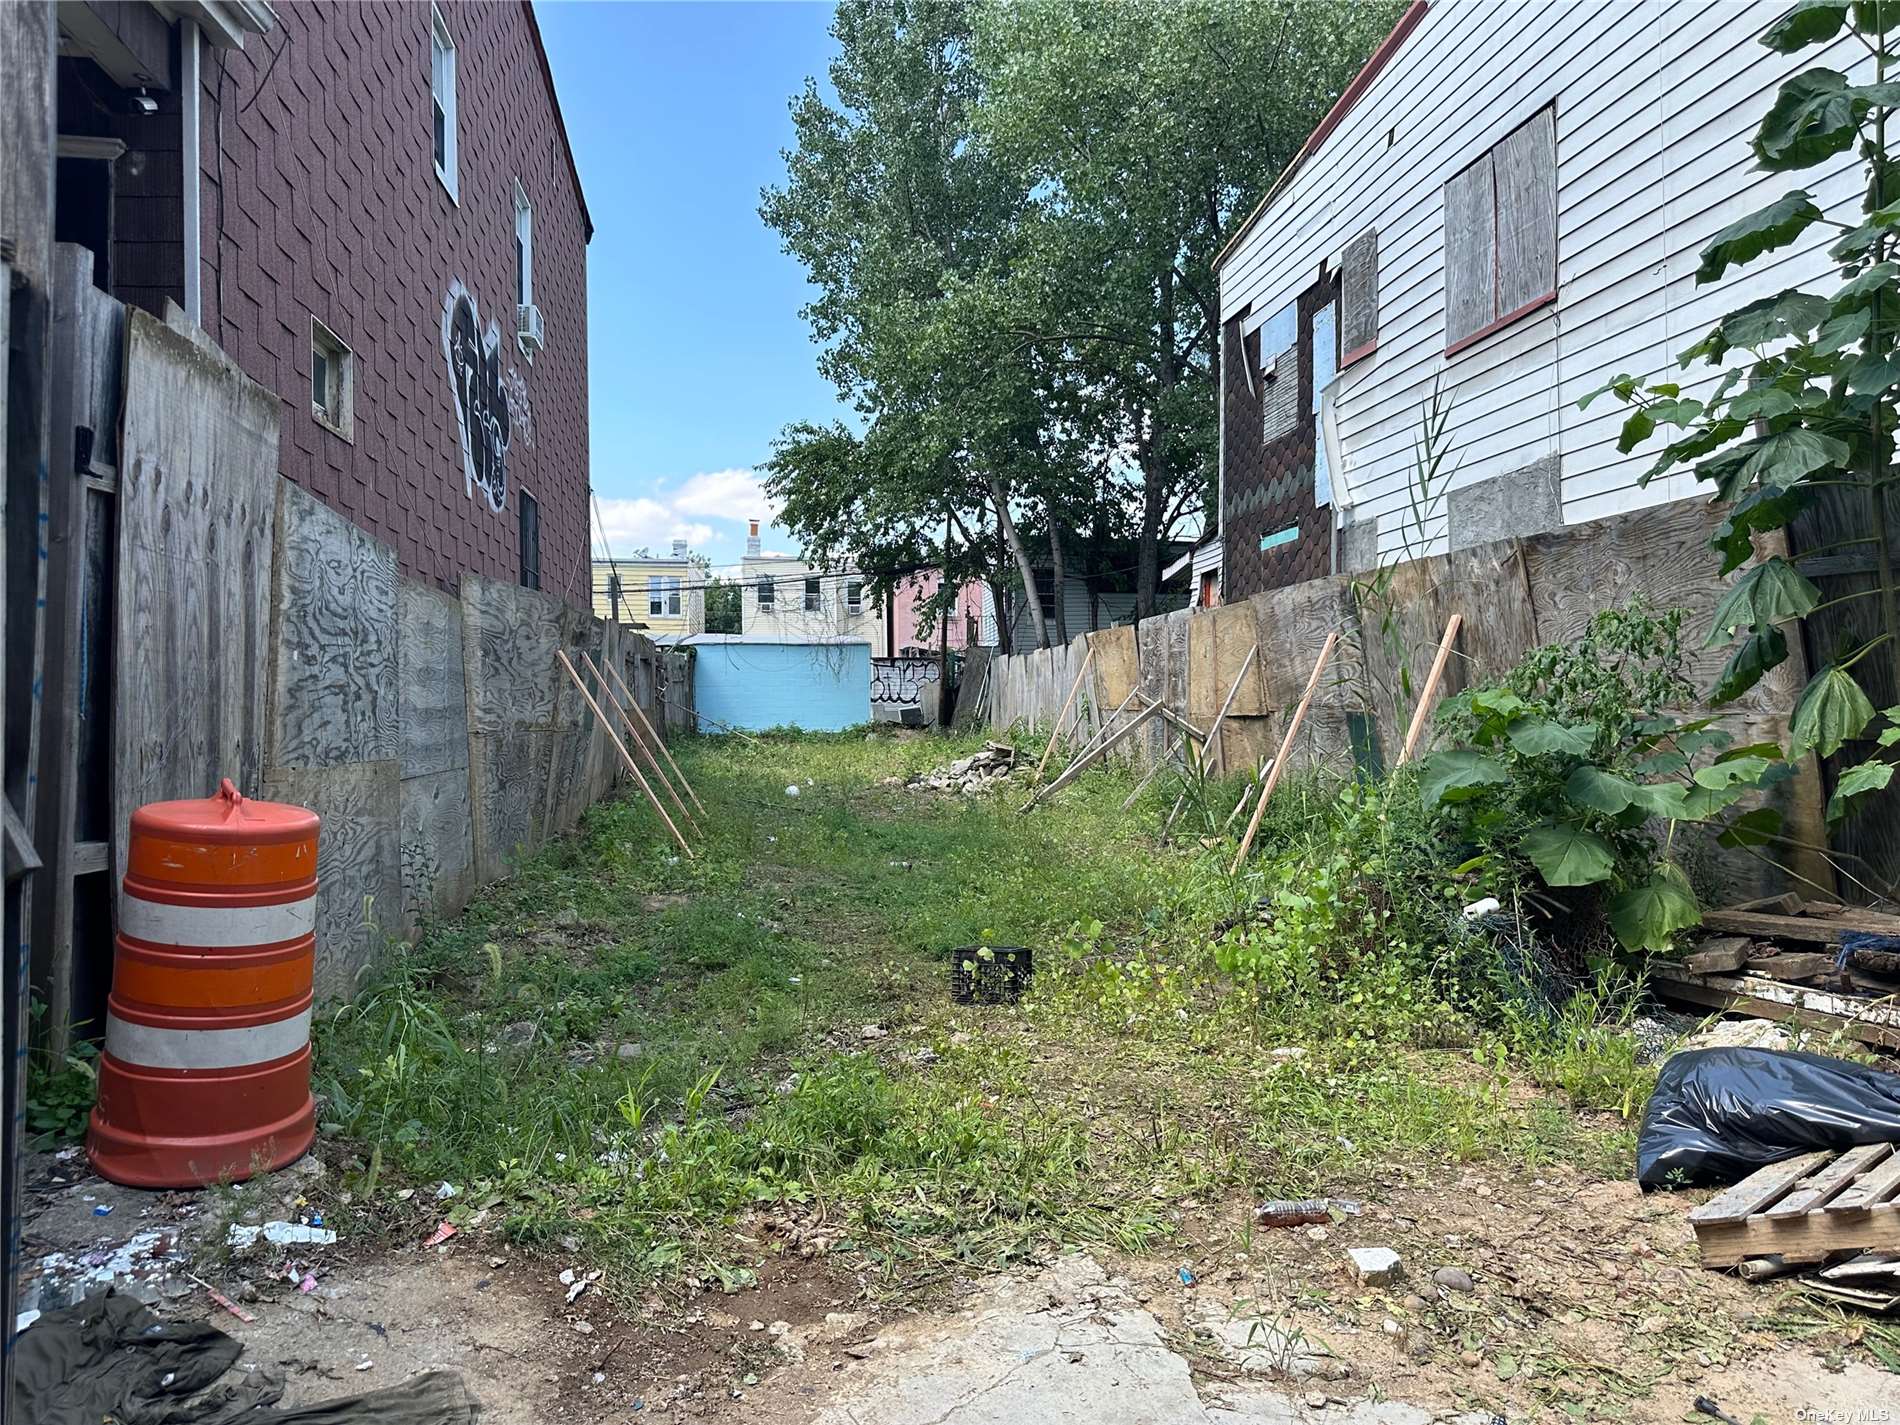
{"x": 220, "y": 621}
{"x": 1514, "y": 595}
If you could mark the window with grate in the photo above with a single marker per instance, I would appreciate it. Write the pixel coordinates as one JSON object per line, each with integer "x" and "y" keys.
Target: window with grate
{"x": 530, "y": 540}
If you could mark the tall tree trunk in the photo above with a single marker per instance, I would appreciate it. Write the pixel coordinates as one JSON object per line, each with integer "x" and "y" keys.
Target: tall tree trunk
{"x": 1059, "y": 570}
{"x": 1014, "y": 540}
{"x": 1148, "y": 548}
{"x": 1003, "y": 640}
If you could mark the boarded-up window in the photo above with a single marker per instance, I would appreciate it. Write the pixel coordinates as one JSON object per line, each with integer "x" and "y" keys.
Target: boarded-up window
{"x": 1501, "y": 231}
{"x": 1278, "y": 335}
{"x": 1359, "y": 297}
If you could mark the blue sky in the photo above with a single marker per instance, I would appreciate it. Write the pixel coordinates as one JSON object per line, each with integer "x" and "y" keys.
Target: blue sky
{"x": 677, "y": 114}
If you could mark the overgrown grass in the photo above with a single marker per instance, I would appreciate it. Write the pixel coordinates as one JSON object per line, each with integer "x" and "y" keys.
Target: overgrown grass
{"x": 630, "y": 1047}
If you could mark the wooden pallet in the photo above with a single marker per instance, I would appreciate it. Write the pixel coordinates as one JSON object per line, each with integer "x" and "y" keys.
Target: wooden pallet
{"x": 1804, "y": 1209}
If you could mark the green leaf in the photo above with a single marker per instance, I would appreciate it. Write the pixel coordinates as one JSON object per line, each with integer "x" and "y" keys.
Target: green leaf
{"x": 1784, "y": 457}
{"x": 1751, "y": 828}
{"x": 1701, "y": 803}
{"x": 1872, "y": 375}
{"x": 1832, "y": 709}
{"x": 1864, "y": 286}
{"x": 1457, "y": 774}
{"x": 1737, "y": 771}
{"x": 1757, "y": 512}
{"x": 1568, "y": 855}
{"x": 1772, "y": 592}
{"x": 1662, "y": 764}
{"x": 1671, "y": 800}
{"x": 1535, "y": 736}
{"x": 1763, "y": 649}
{"x": 1872, "y": 17}
{"x": 1865, "y": 777}
{"x": 1599, "y": 789}
{"x": 1746, "y": 239}
{"x": 1811, "y": 22}
{"x": 1638, "y": 428}
{"x": 1811, "y": 119}
{"x": 1769, "y": 750}
{"x": 1647, "y": 917}
{"x": 1840, "y": 332}
{"x": 1761, "y": 403}
{"x": 1769, "y": 319}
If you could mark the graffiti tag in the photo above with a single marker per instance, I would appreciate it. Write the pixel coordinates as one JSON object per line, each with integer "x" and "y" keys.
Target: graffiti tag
{"x": 901, "y": 680}
{"x": 481, "y": 397}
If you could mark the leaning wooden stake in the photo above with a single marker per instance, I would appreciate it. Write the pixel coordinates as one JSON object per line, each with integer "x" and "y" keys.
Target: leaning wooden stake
{"x": 1148, "y": 776}
{"x": 645, "y": 722}
{"x": 625, "y": 756}
{"x": 1055, "y": 730}
{"x": 1081, "y": 764}
{"x": 1213, "y": 732}
{"x": 1452, "y": 625}
{"x": 1286, "y": 746}
{"x": 1253, "y": 785}
{"x": 659, "y": 772}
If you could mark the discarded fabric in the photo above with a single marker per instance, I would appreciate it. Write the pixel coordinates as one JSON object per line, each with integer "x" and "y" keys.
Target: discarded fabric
{"x": 279, "y": 1234}
{"x": 1719, "y": 1114}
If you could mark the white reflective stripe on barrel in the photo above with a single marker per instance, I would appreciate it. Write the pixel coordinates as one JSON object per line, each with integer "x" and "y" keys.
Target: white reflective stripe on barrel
{"x": 216, "y": 927}
{"x": 147, "y": 1046}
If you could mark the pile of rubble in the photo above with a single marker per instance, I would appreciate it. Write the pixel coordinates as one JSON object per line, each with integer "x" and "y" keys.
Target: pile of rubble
{"x": 979, "y": 772}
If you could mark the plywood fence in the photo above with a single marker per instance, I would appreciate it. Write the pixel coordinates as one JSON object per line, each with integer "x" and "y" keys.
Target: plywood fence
{"x": 263, "y": 637}
{"x": 1514, "y": 594}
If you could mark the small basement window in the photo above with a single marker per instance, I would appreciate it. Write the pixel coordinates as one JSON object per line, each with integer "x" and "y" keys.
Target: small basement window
{"x": 814, "y": 599}
{"x": 332, "y": 381}
{"x": 1501, "y": 233}
{"x": 442, "y": 97}
{"x": 530, "y": 541}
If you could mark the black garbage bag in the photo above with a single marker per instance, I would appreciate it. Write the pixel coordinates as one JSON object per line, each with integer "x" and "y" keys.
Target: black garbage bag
{"x": 1719, "y": 1114}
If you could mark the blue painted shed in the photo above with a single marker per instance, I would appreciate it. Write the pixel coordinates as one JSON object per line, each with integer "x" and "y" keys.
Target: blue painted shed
{"x": 756, "y": 681}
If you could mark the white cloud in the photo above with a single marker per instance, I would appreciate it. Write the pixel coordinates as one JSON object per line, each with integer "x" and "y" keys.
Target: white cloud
{"x": 726, "y": 495}
{"x": 703, "y": 509}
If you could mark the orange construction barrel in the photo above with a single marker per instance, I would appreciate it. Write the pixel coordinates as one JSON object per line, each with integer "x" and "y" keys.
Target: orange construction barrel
{"x": 206, "y": 1071}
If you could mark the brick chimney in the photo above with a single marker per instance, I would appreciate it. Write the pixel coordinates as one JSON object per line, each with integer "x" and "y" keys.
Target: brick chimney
{"x": 752, "y": 539}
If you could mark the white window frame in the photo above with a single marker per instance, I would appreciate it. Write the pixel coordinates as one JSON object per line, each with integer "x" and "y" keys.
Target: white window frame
{"x": 854, "y": 596}
{"x": 337, "y": 413}
{"x": 524, "y": 240}
{"x": 814, "y": 595}
{"x": 664, "y": 590}
{"x": 442, "y": 93}
{"x": 766, "y": 592}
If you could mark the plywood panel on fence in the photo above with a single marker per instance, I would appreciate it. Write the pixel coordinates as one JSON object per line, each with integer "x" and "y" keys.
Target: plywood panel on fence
{"x": 359, "y": 863}
{"x": 334, "y": 697}
{"x": 1116, "y": 664}
{"x": 198, "y": 491}
{"x": 1292, "y": 624}
{"x": 510, "y": 635}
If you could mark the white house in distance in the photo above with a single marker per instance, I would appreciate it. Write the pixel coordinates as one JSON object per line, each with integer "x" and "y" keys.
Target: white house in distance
{"x": 784, "y": 598}
{"x": 1508, "y": 203}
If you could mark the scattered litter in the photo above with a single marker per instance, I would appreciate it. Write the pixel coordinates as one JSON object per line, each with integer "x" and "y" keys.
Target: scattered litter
{"x": 989, "y": 974}
{"x": 1803, "y": 1210}
{"x": 308, "y": 1284}
{"x": 792, "y": 790}
{"x": 222, "y": 1300}
{"x": 1741, "y": 1034}
{"x": 1284, "y": 1213}
{"x": 1706, "y": 1406}
{"x": 1478, "y": 909}
{"x": 1720, "y": 1114}
{"x": 279, "y": 1234}
{"x": 104, "y": 1209}
{"x": 1187, "y": 1277}
{"x": 873, "y": 1031}
{"x": 446, "y": 1191}
{"x": 1375, "y": 1266}
{"x": 365, "y": 1364}
{"x": 444, "y": 1230}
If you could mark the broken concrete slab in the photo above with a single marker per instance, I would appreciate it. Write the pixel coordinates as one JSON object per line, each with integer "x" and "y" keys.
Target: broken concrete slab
{"x": 1375, "y": 1266}
{"x": 1069, "y": 1343}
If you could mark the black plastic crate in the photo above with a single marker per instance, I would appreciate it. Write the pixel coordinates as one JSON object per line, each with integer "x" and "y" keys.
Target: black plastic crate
{"x": 988, "y": 974}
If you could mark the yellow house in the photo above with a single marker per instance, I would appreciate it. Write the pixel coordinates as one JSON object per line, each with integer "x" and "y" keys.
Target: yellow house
{"x": 660, "y": 593}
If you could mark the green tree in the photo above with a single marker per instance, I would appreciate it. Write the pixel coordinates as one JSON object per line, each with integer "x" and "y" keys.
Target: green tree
{"x": 724, "y": 602}
{"x": 1807, "y": 409}
{"x": 1143, "y": 130}
{"x": 906, "y": 223}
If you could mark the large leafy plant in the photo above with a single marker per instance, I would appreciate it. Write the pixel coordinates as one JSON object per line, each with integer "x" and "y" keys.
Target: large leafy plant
{"x": 1812, "y": 402}
{"x": 1573, "y": 772}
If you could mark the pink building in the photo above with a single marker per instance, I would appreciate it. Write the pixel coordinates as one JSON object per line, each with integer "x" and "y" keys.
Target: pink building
{"x": 900, "y": 629}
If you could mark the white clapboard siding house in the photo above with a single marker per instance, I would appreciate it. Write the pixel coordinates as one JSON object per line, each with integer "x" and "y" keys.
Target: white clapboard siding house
{"x": 1508, "y": 204}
